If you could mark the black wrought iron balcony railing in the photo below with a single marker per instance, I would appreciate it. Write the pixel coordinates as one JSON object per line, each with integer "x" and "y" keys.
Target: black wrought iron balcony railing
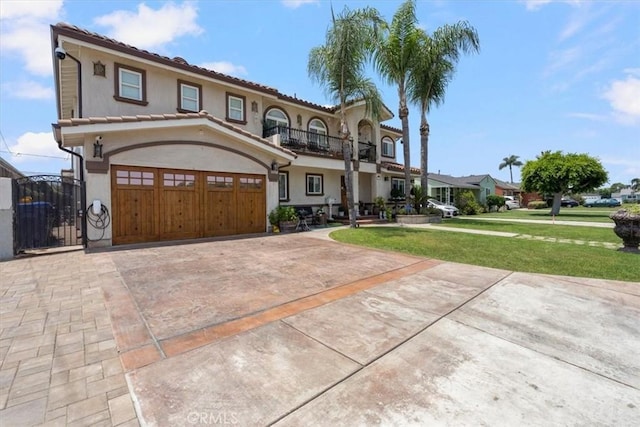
{"x": 307, "y": 142}
{"x": 314, "y": 143}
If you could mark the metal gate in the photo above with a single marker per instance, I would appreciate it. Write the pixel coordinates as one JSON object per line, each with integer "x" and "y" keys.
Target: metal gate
{"x": 48, "y": 212}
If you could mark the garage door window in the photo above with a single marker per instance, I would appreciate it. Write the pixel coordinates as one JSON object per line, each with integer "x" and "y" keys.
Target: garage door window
{"x": 251, "y": 184}
{"x": 178, "y": 180}
{"x": 124, "y": 177}
{"x": 219, "y": 182}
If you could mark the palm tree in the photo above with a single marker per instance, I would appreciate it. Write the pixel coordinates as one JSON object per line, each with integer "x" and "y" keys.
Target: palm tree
{"x": 393, "y": 60}
{"x": 433, "y": 68}
{"x": 510, "y": 161}
{"x": 635, "y": 184}
{"x": 339, "y": 67}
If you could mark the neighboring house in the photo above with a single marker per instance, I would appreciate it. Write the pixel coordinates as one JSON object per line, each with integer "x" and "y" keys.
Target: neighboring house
{"x": 507, "y": 189}
{"x": 626, "y": 195}
{"x": 445, "y": 187}
{"x": 177, "y": 151}
{"x": 7, "y": 170}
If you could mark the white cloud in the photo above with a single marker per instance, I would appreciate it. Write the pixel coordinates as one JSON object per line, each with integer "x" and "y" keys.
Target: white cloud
{"x": 32, "y": 147}
{"x": 28, "y": 90}
{"x": 148, "y": 28}
{"x": 537, "y": 4}
{"x": 562, "y": 59}
{"x": 294, "y": 4}
{"x": 225, "y": 67}
{"x": 38, "y": 9}
{"x": 588, "y": 116}
{"x": 25, "y": 32}
{"x": 624, "y": 97}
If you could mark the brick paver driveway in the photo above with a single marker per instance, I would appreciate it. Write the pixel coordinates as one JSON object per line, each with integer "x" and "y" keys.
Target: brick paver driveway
{"x": 299, "y": 330}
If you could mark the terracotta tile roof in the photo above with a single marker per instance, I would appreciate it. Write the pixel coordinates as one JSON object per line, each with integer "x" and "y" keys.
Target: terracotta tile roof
{"x": 390, "y": 128}
{"x": 398, "y": 167}
{"x": 78, "y": 33}
{"x": 175, "y": 116}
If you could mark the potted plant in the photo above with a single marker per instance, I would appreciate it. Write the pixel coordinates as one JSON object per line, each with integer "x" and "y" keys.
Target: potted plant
{"x": 285, "y": 217}
{"x": 627, "y": 227}
{"x": 380, "y": 205}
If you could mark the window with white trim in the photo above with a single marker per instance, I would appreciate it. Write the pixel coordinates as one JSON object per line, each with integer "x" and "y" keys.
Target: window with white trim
{"x": 283, "y": 186}
{"x": 189, "y": 96}
{"x": 130, "y": 84}
{"x": 276, "y": 117}
{"x": 388, "y": 147}
{"x": 314, "y": 185}
{"x": 236, "y": 108}
{"x": 318, "y": 133}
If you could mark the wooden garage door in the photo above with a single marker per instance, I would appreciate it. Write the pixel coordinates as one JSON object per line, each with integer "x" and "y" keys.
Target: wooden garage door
{"x": 166, "y": 204}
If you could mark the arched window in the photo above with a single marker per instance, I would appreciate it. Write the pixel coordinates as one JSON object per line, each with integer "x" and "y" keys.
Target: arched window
{"x": 388, "y": 147}
{"x": 318, "y": 133}
{"x": 276, "y": 117}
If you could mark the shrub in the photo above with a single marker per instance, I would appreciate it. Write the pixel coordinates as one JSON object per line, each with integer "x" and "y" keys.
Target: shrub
{"x": 537, "y": 204}
{"x": 495, "y": 200}
{"x": 472, "y": 208}
{"x": 430, "y": 211}
{"x": 282, "y": 213}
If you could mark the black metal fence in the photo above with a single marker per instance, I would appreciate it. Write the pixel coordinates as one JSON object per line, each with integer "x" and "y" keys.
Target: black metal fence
{"x": 48, "y": 212}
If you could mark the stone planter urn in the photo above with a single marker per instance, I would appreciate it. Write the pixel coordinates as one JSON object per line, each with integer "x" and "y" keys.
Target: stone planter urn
{"x": 287, "y": 226}
{"x": 628, "y": 228}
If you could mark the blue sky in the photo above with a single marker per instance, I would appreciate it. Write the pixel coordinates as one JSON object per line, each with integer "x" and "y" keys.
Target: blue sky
{"x": 551, "y": 75}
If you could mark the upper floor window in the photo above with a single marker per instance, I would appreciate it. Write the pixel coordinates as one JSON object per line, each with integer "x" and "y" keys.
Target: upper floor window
{"x": 130, "y": 84}
{"x": 276, "y": 117}
{"x": 318, "y": 132}
{"x": 236, "y": 108}
{"x": 388, "y": 147}
{"x": 189, "y": 96}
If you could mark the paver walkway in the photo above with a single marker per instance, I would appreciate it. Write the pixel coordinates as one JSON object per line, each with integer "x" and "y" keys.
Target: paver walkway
{"x": 59, "y": 361}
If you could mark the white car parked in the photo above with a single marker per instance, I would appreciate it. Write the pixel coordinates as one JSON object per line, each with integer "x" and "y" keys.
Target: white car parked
{"x": 511, "y": 203}
{"x": 448, "y": 211}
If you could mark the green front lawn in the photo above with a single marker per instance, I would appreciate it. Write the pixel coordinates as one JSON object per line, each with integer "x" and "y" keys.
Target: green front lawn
{"x": 566, "y": 214}
{"x": 573, "y": 232}
{"x": 507, "y": 253}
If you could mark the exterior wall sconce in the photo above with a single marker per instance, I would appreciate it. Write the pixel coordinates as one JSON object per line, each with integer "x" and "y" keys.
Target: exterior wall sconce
{"x": 299, "y": 120}
{"x": 274, "y": 166}
{"x": 97, "y": 147}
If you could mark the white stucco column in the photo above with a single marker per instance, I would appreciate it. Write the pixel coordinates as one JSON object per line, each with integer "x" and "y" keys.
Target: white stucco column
{"x": 356, "y": 188}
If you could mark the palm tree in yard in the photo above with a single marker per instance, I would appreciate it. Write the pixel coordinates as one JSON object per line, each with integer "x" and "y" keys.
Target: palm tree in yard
{"x": 339, "y": 67}
{"x": 393, "y": 60}
{"x": 509, "y": 162}
{"x": 433, "y": 68}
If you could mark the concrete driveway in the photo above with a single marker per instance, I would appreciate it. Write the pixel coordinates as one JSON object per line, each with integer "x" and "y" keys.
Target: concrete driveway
{"x": 298, "y": 330}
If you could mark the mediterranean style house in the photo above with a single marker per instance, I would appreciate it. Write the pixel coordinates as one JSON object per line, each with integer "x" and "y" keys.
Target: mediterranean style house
{"x": 171, "y": 150}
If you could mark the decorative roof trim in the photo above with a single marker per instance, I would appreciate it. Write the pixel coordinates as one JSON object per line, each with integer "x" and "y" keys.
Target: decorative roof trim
{"x": 77, "y": 121}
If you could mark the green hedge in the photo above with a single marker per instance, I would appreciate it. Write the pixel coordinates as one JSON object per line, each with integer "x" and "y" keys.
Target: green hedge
{"x": 537, "y": 204}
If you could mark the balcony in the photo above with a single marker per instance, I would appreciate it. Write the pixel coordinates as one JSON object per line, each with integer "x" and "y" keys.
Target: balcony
{"x": 304, "y": 142}
{"x": 366, "y": 152}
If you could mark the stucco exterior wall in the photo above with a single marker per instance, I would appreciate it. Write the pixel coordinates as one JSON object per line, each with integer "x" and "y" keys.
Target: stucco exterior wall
{"x": 6, "y": 219}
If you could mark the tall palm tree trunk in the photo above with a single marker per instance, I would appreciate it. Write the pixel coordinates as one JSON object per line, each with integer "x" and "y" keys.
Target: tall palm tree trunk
{"x": 424, "y": 153}
{"x": 403, "y": 112}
